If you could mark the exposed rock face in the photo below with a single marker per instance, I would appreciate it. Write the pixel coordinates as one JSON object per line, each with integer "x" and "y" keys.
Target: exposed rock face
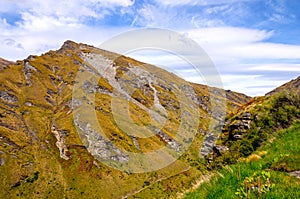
{"x": 170, "y": 141}
{"x": 204, "y": 102}
{"x": 240, "y": 126}
{"x": 136, "y": 143}
{"x": 189, "y": 90}
{"x": 295, "y": 173}
{"x": 60, "y": 143}
{"x": 28, "y": 70}
{"x": 10, "y": 98}
{"x": 236, "y": 131}
{"x": 219, "y": 149}
{"x": 2, "y": 159}
{"x": 208, "y": 144}
{"x": 98, "y": 146}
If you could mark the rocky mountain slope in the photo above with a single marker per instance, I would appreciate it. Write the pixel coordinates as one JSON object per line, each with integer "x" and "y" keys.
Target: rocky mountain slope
{"x": 257, "y": 153}
{"x": 72, "y": 121}
{"x": 256, "y": 121}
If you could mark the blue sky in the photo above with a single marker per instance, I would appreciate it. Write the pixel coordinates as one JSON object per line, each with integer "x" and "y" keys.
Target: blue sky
{"x": 255, "y": 44}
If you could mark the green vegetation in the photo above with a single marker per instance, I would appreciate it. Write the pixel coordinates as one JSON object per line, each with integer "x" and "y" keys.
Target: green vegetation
{"x": 32, "y": 167}
{"x": 268, "y": 114}
{"x": 265, "y": 176}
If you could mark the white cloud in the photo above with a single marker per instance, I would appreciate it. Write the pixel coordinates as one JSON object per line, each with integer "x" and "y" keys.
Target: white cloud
{"x": 253, "y": 85}
{"x": 36, "y": 14}
{"x": 242, "y": 43}
{"x": 43, "y": 25}
{"x": 267, "y": 51}
{"x": 230, "y": 48}
{"x": 41, "y": 42}
{"x": 123, "y": 3}
{"x": 150, "y": 15}
{"x": 34, "y": 23}
{"x": 197, "y": 2}
{"x": 277, "y": 67}
{"x": 221, "y": 35}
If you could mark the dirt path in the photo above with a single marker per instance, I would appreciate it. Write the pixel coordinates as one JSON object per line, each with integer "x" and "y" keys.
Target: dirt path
{"x": 158, "y": 180}
{"x": 203, "y": 179}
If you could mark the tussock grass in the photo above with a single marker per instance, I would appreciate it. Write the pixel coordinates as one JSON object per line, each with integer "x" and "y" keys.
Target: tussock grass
{"x": 277, "y": 159}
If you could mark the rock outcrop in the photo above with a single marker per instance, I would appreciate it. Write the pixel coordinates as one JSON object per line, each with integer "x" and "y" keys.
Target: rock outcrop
{"x": 295, "y": 173}
{"x": 6, "y": 96}
{"x": 60, "y": 143}
{"x": 240, "y": 126}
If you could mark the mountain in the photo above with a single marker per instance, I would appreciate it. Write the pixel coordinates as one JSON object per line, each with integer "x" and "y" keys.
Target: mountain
{"x": 257, "y": 153}
{"x": 73, "y": 120}
{"x": 84, "y": 122}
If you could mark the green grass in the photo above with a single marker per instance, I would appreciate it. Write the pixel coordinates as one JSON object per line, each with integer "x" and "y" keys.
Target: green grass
{"x": 278, "y": 157}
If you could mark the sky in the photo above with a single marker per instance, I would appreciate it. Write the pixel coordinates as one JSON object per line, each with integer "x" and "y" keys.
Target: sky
{"x": 254, "y": 44}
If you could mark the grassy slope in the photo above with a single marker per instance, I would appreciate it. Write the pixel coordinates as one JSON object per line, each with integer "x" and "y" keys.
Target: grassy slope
{"x": 33, "y": 167}
{"x": 268, "y": 115}
{"x": 273, "y": 159}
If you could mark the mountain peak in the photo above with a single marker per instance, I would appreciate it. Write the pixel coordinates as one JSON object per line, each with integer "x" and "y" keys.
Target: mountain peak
{"x": 69, "y": 44}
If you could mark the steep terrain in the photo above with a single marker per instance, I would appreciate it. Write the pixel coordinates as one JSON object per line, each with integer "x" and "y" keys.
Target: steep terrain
{"x": 257, "y": 120}
{"x": 71, "y": 118}
{"x": 257, "y": 153}
{"x": 292, "y": 86}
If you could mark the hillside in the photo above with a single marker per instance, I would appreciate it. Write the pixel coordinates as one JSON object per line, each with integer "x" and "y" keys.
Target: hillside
{"x": 273, "y": 171}
{"x": 71, "y": 122}
{"x": 292, "y": 86}
{"x": 257, "y": 154}
{"x": 4, "y": 63}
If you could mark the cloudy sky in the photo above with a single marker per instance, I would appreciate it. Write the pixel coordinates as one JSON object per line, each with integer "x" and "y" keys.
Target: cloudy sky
{"x": 255, "y": 44}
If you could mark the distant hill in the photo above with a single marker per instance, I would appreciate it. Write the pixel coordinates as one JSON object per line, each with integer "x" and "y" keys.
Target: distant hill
{"x": 4, "y": 63}
{"x": 292, "y": 86}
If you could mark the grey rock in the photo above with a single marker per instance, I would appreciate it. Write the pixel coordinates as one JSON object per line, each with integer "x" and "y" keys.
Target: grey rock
{"x": 170, "y": 141}
{"x": 2, "y": 161}
{"x": 220, "y": 149}
{"x": 295, "y": 173}
{"x": 28, "y": 104}
{"x": 136, "y": 143}
{"x": 98, "y": 146}
{"x": 60, "y": 143}
{"x": 10, "y": 98}
{"x": 208, "y": 144}
{"x": 28, "y": 70}
{"x": 238, "y": 137}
